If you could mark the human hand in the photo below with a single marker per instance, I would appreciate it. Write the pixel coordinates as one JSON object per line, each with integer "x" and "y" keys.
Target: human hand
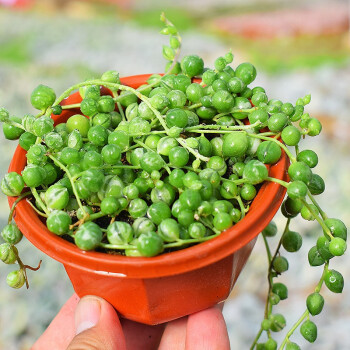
{"x": 92, "y": 323}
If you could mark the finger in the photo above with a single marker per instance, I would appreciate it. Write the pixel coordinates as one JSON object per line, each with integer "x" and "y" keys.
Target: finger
{"x": 64, "y": 322}
{"x": 97, "y": 326}
{"x": 174, "y": 336}
{"x": 148, "y": 337}
{"x": 206, "y": 330}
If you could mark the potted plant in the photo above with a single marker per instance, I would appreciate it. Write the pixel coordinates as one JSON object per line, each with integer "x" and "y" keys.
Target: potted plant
{"x": 152, "y": 189}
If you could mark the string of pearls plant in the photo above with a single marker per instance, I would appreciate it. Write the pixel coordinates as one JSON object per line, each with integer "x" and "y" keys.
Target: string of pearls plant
{"x": 170, "y": 164}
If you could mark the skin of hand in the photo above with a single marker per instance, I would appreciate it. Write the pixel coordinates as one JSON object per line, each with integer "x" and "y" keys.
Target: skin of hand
{"x": 92, "y": 323}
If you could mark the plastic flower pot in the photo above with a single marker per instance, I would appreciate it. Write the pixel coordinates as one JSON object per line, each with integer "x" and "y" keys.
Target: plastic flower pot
{"x": 162, "y": 288}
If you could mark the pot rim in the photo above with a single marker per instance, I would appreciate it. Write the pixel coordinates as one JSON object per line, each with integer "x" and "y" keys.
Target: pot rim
{"x": 261, "y": 212}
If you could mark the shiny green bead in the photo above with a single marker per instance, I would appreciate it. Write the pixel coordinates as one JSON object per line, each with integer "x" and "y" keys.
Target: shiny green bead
{"x": 280, "y": 264}
{"x": 291, "y": 135}
{"x": 16, "y": 279}
{"x": 137, "y": 208}
{"x": 336, "y": 227}
{"x": 281, "y": 290}
{"x": 255, "y": 172}
{"x": 222, "y": 221}
{"x": 246, "y": 72}
{"x": 192, "y": 65}
{"x": 8, "y": 253}
{"x": 42, "y": 97}
{"x": 334, "y": 281}
{"x": 42, "y": 125}
{"x": 169, "y": 230}
{"x": 292, "y": 241}
{"x": 270, "y": 230}
{"x": 109, "y": 205}
{"x": 309, "y": 331}
{"x": 197, "y": 230}
{"x": 190, "y": 199}
{"x": 315, "y": 303}
{"x": 88, "y": 236}
{"x": 159, "y": 211}
{"x": 12, "y": 184}
{"x": 337, "y": 246}
{"x": 235, "y": 144}
{"x": 314, "y": 257}
{"x": 297, "y": 190}
{"x": 119, "y": 233}
{"x": 278, "y": 322}
{"x": 58, "y": 222}
{"x": 150, "y": 244}
{"x": 56, "y": 197}
{"x": 143, "y": 225}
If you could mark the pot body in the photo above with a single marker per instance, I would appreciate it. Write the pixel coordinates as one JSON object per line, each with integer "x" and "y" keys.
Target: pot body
{"x": 161, "y": 299}
{"x": 162, "y": 288}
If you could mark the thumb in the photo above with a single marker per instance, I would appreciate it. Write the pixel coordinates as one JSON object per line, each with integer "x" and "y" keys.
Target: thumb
{"x": 97, "y": 326}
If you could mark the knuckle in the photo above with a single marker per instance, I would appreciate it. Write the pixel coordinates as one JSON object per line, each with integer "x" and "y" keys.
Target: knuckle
{"x": 86, "y": 342}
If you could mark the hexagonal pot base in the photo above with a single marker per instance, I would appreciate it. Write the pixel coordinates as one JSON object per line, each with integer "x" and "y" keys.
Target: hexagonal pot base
{"x": 161, "y": 299}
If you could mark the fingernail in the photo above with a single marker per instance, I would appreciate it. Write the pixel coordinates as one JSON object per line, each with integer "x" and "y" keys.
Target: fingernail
{"x": 87, "y": 314}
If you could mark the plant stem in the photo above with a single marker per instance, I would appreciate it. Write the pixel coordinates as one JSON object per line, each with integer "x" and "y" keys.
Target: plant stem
{"x": 207, "y": 223}
{"x": 256, "y": 339}
{"x": 295, "y": 326}
{"x": 19, "y": 198}
{"x": 320, "y": 283}
{"x": 36, "y": 209}
{"x": 286, "y": 228}
{"x": 221, "y": 127}
{"x": 268, "y": 251}
{"x": 121, "y": 111}
{"x": 306, "y": 313}
{"x": 115, "y": 246}
{"x": 17, "y": 125}
{"x": 148, "y": 133}
{"x": 95, "y": 216}
{"x": 117, "y": 87}
{"x": 57, "y": 162}
{"x": 278, "y": 181}
{"x": 166, "y": 167}
{"x": 38, "y": 199}
{"x": 268, "y": 307}
{"x": 195, "y": 105}
{"x": 75, "y": 105}
{"x": 168, "y": 23}
{"x": 241, "y": 206}
{"x": 319, "y": 220}
{"x": 24, "y": 268}
{"x": 313, "y": 200}
{"x": 182, "y": 142}
{"x": 181, "y": 242}
{"x": 118, "y": 98}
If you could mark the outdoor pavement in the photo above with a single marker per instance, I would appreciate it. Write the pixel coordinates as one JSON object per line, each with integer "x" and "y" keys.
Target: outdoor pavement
{"x": 60, "y": 51}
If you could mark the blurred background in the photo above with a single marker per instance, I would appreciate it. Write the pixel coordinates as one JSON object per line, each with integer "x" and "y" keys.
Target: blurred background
{"x": 298, "y": 48}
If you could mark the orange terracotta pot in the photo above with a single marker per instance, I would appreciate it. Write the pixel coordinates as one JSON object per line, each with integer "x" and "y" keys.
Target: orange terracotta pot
{"x": 162, "y": 288}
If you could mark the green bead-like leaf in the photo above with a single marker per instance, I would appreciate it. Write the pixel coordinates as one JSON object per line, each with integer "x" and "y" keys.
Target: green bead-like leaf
{"x": 334, "y": 281}
{"x": 164, "y": 31}
{"x": 168, "y": 53}
{"x": 309, "y": 331}
{"x": 174, "y": 42}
